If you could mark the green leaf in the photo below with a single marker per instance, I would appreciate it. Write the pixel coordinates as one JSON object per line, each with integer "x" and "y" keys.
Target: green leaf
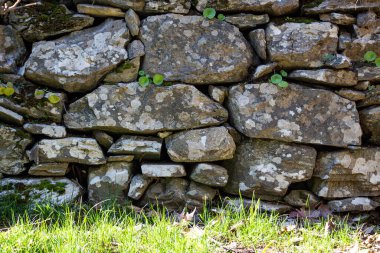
{"x": 2, "y": 90}
{"x": 221, "y": 17}
{"x": 53, "y": 98}
{"x": 8, "y": 91}
{"x": 370, "y": 56}
{"x": 209, "y": 13}
{"x": 276, "y": 78}
{"x": 39, "y": 94}
{"x": 284, "y": 73}
{"x": 143, "y": 81}
{"x": 158, "y": 79}
{"x": 377, "y": 62}
{"x": 141, "y": 73}
{"x": 283, "y": 84}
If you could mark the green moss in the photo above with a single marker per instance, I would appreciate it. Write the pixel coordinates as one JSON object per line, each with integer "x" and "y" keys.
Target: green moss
{"x": 124, "y": 66}
{"x": 299, "y": 20}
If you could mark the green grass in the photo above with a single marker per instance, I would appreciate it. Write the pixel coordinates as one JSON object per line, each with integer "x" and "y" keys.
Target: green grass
{"x": 120, "y": 229}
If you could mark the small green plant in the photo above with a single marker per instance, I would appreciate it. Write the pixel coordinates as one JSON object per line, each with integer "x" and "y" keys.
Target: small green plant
{"x": 39, "y": 94}
{"x": 209, "y": 13}
{"x": 145, "y": 80}
{"x": 377, "y": 62}
{"x": 7, "y": 89}
{"x": 53, "y": 98}
{"x": 221, "y": 17}
{"x": 371, "y": 87}
{"x": 371, "y": 57}
{"x": 278, "y": 79}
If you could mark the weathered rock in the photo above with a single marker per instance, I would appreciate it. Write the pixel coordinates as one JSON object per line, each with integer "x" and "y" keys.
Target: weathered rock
{"x": 265, "y": 206}
{"x": 68, "y": 150}
{"x": 372, "y": 97}
{"x": 368, "y": 32}
{"x": 359, "y": 204}
{"x": 31, "y": 191}
{"x": 349, "y": 173}
{"x": 247, "y": 21}
{"x": 201, "y": 145}
{"x": 120, "y": 158}
{"x": 136, "y": 49}
{"x": 10, "y": 117}
{"x": 266, "y": 168}
{"x": 264, "y": 70}
{"x": 24, "y": 102}
{"x": 194, "y": 50}
{"x": 301, "y": 198}
{"x": 209, "y": 174}
{"x": 370, "y": 122}
{"x": 109, "y": 181}
{"x": 295, "y": 114}
{"x": 12, "y": 49}
{"x": 353, "y": 95}
{"x": 218, "y": 93}
{"x": 238, "y": 137}
{"x": 338, "y": 61}
{"x": 141, "y": 147}
{"x": 327, "y": 77}
{"x": 327, "y": 6}
{"x": 100, "y": 11}
{"x": 258, "y": 42}
{"x": 272, "y": 7}
{"x": 163, "y": 170}
{"x": 45, "y": 20}
{"x": 369, "y": 74}
{"x": 362, "y": 85}
{"x": 138, "y": 186}
{"x": 344, "y": 40}
{"x": 299, "y": 45}
{"x": 76, "y": 62}
{"x": 356, "y": 49}
{"x": 103, "y": 139}
{"x": 165, "y": 134}
{"x": 200, "y": 192}
{"x": 144, "y": 110}
{"x": 125, "y": 73}
{"x": 137, "y": 5}
{"x": 163, "y": 6}
{"x": 338, "y": 18}
{"x": 366, "y": 19}
{"x": 133, "y": 22}
{"x": 49, "y": 169}
{"x": 12, "y": 149}
{"x": 52, "y": 131}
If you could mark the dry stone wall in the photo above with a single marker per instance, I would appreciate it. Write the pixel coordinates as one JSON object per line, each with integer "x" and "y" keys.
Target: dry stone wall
{"x": 79, "y": 117}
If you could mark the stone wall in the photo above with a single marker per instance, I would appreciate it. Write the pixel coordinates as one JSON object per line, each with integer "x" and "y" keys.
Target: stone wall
{"x": 78, "y": 120}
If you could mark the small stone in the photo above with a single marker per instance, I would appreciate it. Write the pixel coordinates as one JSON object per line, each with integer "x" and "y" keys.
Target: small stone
{"x": 301, "y": 198}
{"x": 327, "y": 77}
{"x": 264, "y": 70}
{"x": 120, "y": 158}
{"x": 353, "y": 95}
{"x": 11, "y": 117}
{"x": 238, "y": 203}
{"x": 109, "y": 181}
{"x": 366, "y": 18}
{"x": 362, "y": 85}
{"x": 52, "y": 131}
{"x": 163, "y": 6}
{"x": 163, "y": 170}
{"x": 372, "y": 97}
{"x": 371, "y": 74}
{"x": 138, "y": 186}
{"x": 136, "y": 49}
{"x": 201, "y": 145}
{"x": 103, "y": 139}
{"x": 49, "y": 169}
{"x": 247, "y": 21}
{"x": 338, "y": 61}
{"x": 344, "y": 40}
{"x": 209, "y": 174}
{"x": 200, "y": 192}
{"x": 338, "y": 18}
{"x": 359, "y": 204}
{"x": 12, "y": 49}
{"x": 125, "y": 73}
{"x": 133, "y": 22}
{"x": 259, "y": 43}
{"x": 137, "y": 5}
{"x": 141, "y": 147}
{"x": 100, "y": 11}
{"x": 327, "y": 6}
{"x": 356, "y": 49}
{"x": 370, "y": 122}
{"x": 163, "y": 135}
{"x": 218, "y": 93}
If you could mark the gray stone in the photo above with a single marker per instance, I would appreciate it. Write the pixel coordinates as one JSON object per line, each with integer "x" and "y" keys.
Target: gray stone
{"x": 238, "y": 137}
{"x": 218, "y": 93}
{"x": 247, "y": 21}
{"x": 328, "y": 77}
{"x": 52, "y": 131}
{"x": 270, "y": 207}
{"x": 49, "y": 169}
{"x": 163, "y": 170}
{"x": 294, "y": 114}
{"x": 370, "y": 122}
{"x": 45, "y": 20}
{"x": 366, "y": 18}
{"x": 33, "y": 191}
{"x": 103, "y": 139}
{"x": 68, "y": 150}
{"x": 163, "y": 6}
{"x": 348, "y": 173}
{"x": 356, "y": 49}
{"x": 300, "y": 45}
{"x": 138, "y": 186}
{"x": 145, "y": 110}
{"x": 201, "y": 145}
{"x": 371, "y": 74}
{"x": 12, "y": 49}
{"x": 209, "y": 174}
{"x": 141, "y": 147}
{"x": 302, "y": 198}
{"x": 12, "y": 149}
{"x": 200, "y": 192}
{"x": 100, "y": 11}
{"x": 272, "y": 7}
{"x": 194, "y": 50}
{"x": 136, "y": 49}
{"x": 327, "y": 6}
{"x": 264, "y": 70}
{"x": 368, "y": 32}
{"x": 353, "y": 95}
{"x": 11, "y": 117}
{"x": 137, "y": 5}
{"x": 344, "y": 40}
{"x": 265, "y": 169}
{"x": 362, "y": 85}
{"x": 125, "y": 73}
{"x": 359, "y": 204}
{"x": 338, "y": 61}
{"x": 372, "y": 97}
{"x": 109, "y": 181}
{"x": 133, "y": 22}
{"x": 258, "y": 42}
{"x": 76, "y": 62}
{"x": 338, "y": 18}
{"x": 120, "y": 158}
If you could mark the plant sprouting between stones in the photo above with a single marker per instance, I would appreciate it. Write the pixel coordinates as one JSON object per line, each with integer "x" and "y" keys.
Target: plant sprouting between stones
{"x": 371, "y": 57}
{"x": 145, "y": 79}
{"x": 7, "y": 89}
{"x": 51, "y": 97}
{"x": 210, "y": 13}
{"x": 278, "y": 79}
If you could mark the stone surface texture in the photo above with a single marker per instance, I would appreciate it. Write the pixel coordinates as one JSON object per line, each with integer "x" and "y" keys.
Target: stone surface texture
{"x": 12, "y": 49}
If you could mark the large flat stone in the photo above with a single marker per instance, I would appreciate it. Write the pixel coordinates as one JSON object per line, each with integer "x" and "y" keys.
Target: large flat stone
{"x": 12, "y": 49}
{"x": 358, "y": 204}
{"x": 163, "y": 170}
{"x": 52, "y": 131}
{"x": 49, "y": 169}
{"x": 326, "y": 77}
{"x": 294, "y": 114}
{"x": 326, "y": 6}
{"x": 194, "y": 50}
{"x": 144, "y": 110}
{"x": 137, "y": 5}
